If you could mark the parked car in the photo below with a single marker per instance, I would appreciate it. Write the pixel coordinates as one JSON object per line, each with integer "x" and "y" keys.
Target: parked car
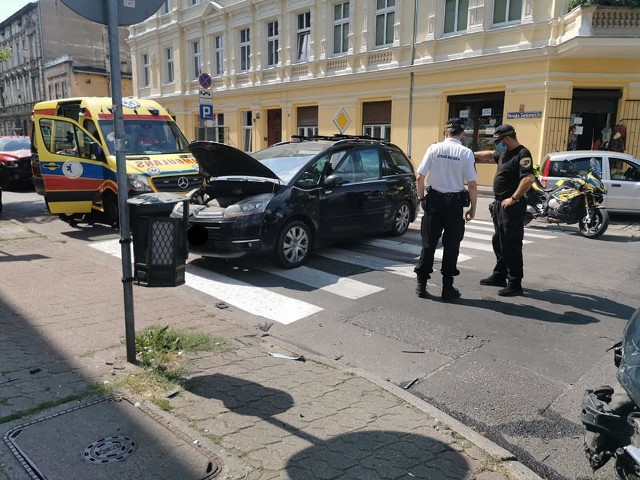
{"x": 620, "y": 174}
{"x": 15, "y": 161}
{"x": 295, "y": 196}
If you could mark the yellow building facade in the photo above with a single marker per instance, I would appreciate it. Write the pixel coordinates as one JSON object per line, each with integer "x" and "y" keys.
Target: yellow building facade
{"x": 395, "y": 69}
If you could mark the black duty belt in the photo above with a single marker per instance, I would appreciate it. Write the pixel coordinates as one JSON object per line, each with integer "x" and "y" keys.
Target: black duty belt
{"x": 436, "y": 193}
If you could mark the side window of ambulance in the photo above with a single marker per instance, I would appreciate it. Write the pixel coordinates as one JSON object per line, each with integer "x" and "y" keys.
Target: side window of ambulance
{"x": 65, "y": 139}
{"x": 60, "y": 137}
{"x": 45, "y": 130}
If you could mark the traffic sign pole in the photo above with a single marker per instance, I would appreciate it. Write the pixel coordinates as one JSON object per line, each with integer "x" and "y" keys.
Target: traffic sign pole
{"x": 206, "y": 101}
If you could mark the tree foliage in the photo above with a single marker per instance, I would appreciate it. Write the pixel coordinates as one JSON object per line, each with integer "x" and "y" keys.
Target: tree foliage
{"x": 5, "y": 54}
{"x": 604, "y": 3}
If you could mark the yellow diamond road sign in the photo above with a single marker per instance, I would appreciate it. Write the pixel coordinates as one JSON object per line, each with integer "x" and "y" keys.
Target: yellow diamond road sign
{"x": 342, "y": 120}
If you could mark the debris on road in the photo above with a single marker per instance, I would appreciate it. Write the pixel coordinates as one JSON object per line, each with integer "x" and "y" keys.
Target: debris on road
{"x": 299, "y": 358}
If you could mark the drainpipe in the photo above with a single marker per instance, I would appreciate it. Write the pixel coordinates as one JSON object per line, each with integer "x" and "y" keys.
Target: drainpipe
{"x": 412, "y": 76}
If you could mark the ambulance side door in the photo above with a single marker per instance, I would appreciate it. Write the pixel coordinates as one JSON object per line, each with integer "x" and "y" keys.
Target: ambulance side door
{"x": 71, "y": 175}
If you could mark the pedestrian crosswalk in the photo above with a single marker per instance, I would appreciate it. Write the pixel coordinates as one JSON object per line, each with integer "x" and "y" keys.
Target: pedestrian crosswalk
{"x": 392, "y": 256}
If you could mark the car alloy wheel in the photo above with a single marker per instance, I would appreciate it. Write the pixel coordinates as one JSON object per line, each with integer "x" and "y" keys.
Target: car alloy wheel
{"x": 401, "y": 219}
{"x": 294, "y": 244}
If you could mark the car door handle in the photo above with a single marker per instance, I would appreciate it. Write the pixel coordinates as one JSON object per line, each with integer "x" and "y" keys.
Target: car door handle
{"x": 616, "y": 185}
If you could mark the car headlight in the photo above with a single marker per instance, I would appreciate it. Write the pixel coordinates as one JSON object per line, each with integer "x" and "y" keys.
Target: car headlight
{"x": 139, "y": 183}
{"x": 249, "y": 206}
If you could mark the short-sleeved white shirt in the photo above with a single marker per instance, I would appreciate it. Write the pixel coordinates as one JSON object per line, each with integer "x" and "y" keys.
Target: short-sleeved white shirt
{"x": 448, "y": 165}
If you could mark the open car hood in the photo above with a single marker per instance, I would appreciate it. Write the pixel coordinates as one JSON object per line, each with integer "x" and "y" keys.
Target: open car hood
{"x": 220, "y": 160}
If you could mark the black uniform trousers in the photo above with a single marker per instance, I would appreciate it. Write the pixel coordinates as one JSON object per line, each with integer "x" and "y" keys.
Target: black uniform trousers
{"x": 508, "y": 224}
{"x": 442, "y": 217}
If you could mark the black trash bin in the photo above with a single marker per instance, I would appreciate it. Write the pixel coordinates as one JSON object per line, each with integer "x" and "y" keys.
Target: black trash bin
{"x": 160, "y": 247}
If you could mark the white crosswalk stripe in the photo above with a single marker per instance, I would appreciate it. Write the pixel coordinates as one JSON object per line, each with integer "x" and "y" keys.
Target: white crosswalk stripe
{"x": 344, "y": 287}
{"x": 255, "y": 300}
{"x": 397, "y": 257}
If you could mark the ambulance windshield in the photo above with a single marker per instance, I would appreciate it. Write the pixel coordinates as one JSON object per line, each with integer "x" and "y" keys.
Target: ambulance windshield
{"x": 146, "y": 137}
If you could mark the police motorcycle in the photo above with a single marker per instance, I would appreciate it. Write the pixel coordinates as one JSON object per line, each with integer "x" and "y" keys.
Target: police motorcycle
{"x": 575, "y": 199}
{"x": 611, "y": 415}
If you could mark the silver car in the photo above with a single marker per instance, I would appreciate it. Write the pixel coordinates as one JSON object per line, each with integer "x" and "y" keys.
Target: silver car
{"x": 620, "y": 174}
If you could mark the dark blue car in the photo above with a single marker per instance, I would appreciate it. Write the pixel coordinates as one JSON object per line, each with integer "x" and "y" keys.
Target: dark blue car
{"x": 296, "y": 196}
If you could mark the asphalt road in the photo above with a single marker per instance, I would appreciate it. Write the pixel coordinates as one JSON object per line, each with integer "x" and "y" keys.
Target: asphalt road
{"x": 514, "y": 369}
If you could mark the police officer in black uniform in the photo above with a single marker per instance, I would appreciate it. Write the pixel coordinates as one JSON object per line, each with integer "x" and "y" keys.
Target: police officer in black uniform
{"x": 514, "y": 177}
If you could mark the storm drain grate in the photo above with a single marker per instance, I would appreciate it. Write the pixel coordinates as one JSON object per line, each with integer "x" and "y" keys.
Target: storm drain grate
{"x": 108, "y": 450}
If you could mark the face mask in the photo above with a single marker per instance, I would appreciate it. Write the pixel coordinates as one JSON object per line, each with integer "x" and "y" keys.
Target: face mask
{"x": 500, "y": 147}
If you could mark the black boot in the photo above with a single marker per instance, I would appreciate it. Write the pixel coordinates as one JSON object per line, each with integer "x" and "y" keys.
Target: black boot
{"x": 513, "y": 289}
{"x": 449, "y": 292}
{"x": 494, "y": 280}
{"x": 421, "y": 288}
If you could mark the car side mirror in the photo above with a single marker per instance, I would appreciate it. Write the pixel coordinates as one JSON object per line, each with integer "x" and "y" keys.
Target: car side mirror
{"x": 334, "y": 181}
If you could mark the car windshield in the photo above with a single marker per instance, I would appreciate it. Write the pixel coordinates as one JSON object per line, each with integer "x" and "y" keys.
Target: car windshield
{"x": 11, "y": 144}
{"x": 287, "y": 159}
{"x": 144, "y": 137}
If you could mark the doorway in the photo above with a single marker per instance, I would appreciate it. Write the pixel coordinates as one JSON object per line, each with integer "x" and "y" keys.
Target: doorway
{"x": 274, "y": 126}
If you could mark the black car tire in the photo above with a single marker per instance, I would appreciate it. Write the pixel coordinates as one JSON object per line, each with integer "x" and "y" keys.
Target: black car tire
{"x": 401, "y": 219}
{"x": 110, "y": 208}
{"x": 294, "y": 244}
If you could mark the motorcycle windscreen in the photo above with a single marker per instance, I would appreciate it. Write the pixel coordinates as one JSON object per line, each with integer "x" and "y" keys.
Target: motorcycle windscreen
{"x": 629, "y": 370}
{"x": 71, "y": 178}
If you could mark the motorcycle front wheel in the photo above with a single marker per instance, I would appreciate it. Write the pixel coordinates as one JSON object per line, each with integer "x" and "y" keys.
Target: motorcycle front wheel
{"x": 597, "y": 226}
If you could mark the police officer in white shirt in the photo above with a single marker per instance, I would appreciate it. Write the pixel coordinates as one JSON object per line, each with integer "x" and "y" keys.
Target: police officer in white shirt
{"x": 446, "y": 167}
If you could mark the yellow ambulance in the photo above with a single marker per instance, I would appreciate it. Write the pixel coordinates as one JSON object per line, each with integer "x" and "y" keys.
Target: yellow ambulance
{"x": 74, "y": 159}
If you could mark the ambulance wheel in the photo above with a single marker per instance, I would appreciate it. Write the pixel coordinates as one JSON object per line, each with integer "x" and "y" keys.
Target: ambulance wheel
{"x": 110, "y": 208}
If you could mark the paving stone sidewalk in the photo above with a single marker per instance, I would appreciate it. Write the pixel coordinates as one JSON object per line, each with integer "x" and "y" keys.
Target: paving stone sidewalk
{"x": 264, "y": 417}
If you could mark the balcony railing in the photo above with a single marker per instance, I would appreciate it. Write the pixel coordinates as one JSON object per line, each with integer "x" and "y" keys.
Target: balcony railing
{"x": 601, "y": 21}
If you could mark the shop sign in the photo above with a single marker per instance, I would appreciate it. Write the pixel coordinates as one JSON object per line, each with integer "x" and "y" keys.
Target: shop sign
{"x": 515, "y": 115}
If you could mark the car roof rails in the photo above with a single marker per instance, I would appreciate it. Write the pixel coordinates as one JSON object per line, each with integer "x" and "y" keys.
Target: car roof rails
{"x": 337, "y": 137}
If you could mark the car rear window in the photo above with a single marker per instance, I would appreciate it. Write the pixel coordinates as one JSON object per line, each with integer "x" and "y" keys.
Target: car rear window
{"x": 580, "y": 165}
{"x": 396, "y": 164}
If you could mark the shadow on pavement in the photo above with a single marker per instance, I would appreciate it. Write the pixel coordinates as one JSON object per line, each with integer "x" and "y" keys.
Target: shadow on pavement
{"x": 40, "y": 373}
{"x": 361, "y": 454}
{"x": 578, "y": 301}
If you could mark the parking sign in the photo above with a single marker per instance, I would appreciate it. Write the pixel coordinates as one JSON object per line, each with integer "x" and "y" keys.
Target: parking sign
{"x": 206, "y": 112}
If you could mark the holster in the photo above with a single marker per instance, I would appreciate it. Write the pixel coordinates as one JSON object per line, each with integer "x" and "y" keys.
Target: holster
{"x": 465, "y": 198}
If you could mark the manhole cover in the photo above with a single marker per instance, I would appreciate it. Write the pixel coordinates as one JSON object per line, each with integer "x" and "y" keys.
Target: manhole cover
{"x": 105, "y": 439}
{"x": 109, "y": 449}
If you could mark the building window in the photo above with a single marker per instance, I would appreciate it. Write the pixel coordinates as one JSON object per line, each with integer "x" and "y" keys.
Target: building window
{"x": 169, "y": 56}
{"x": 246, "y": 131}
{"x": 245, "y": 50}
{"x": 272, "y": 43}
{"x": 376, "y": 119}
{"x": 196, "y": 59}
{"x": 307, "y": 121}
{"x": 341, "y": 27}
{"x": 194, "y": 2}
{"x": 455, "y": 15}
{"x": 219, "y": 49}
{"x": 481, "y": 114}
{"x": 146, "y": 79}
{"x": 304, "y": 36}
{"x": 507, "y": 11}
{"x": 385, "y": 18}
{"x": 165, "y": 7}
